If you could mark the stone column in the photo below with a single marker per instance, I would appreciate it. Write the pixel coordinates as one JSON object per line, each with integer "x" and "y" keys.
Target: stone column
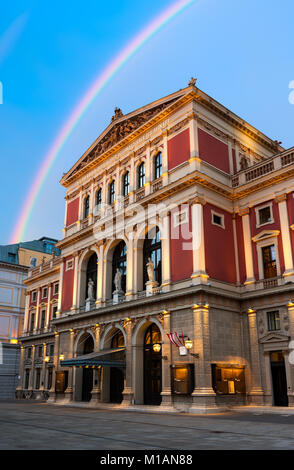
{"x": 289, "y": 379}
{"x": 290, "y": 356}
{"x": 43, "y": 370}
{"x": 194, "y": 160}
{"x": 199, "y": 275}
{"x": 256, "y": 392}
{"x": 96, "y": 391}
{"x": 128, "y": 388}
{"x": 148, "y": 170}
{"x": 37, "y": 309}
{"x": 75, "y": 296}
{"x": 165, "y": 159}
{"x": 268, "y": 400}
{"x": 250, "y": 279}
{"x": 166, "y": 392}
{"x": 59, "y": 305}
{"x": 203, "y": 394}
{"x": 26, "y": 325}
{"x": 69, "y": 390}
{"x": 20, "y": 385}
{"x": 132, "y": 179}
{"x": 100, "y": 274}
{"x": 165, "y": 244}
{"x": 47, "y": 322}
{"x": 52, "y": 394}
{"x": 286, "y": 239}
{"x": 130, "y": 267}
{"x": 32, "y": 371}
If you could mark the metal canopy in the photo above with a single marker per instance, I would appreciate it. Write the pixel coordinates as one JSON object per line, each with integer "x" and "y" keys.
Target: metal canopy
{"x": 107, "y": 357}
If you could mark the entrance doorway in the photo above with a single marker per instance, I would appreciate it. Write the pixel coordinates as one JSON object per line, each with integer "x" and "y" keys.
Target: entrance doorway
{"x": 116, "y": 374}
{"x": 279, "y": 379}
{"x": 152, "y": 366}
{"x": 87, "y": 372}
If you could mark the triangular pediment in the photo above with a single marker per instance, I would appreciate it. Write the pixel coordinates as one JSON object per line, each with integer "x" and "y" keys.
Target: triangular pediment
{"x": 274, "y": 337}
{"x": 266, "y": 234}
{"x": 121, "y": 127}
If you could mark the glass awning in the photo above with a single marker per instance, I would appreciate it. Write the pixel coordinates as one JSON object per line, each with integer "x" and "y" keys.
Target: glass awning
{"x": 114, "y": 357}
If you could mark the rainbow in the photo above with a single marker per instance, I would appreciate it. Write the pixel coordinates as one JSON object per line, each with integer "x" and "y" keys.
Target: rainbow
{"x": 104, "y": 77}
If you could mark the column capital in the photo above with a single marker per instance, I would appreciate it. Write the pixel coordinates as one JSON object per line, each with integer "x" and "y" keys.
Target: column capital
{"x": 196, "y": 200}
{"x": 244, "y": 211}
{"x": 280, "y": 198}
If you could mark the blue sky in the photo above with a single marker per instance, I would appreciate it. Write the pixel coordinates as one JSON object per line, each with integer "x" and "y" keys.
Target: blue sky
{"x": 241, "y": 52}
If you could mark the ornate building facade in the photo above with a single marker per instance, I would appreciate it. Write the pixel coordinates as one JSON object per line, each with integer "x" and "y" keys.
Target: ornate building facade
{"x": 175, "y": 281}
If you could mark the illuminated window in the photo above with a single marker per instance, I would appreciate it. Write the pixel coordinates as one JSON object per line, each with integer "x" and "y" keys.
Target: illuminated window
{"x": 182, "y": 379}
{"x": 228, "y": 380}
{"x": 269, "y": 261}
{"x": 273, "y": 321}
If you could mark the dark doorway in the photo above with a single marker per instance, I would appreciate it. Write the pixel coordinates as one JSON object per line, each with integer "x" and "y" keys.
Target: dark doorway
{"x": 116, "y": 374}
{"x": 87, "y": 372}
{"x": 152, "y": 367}
{"x": 279, "y": 379}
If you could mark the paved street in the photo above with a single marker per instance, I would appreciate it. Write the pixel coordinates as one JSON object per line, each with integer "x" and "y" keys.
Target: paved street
{"x": 41, "y": 426}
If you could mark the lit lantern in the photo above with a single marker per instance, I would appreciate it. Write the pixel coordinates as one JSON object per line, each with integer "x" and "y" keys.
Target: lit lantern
{"x": 61, "y": 357}
{"x": 13, "y": 341}
{"x": 188, "y": 343}
{"x": 47, "y": 358}
{"x": 156, "y": 347}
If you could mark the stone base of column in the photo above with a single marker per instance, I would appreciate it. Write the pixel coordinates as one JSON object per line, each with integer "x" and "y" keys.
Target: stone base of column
{"x": 204, "y": 401}
{"x": 250, "y": 284}
{"x": 268, "y": 400}
{"x": 256, "y": 397}
{"x": 128, "y": 397}
{"x": 166, "y": 400}
{"x": 52, "y": 396}
{"x": 291, "y": 400}
{"x": 166, "y": 286}
{"x": 95, "y": 396}
{"x": 68, "y": 395}
{"x": 199, "y": 278}
{"x": 288, "y": 276}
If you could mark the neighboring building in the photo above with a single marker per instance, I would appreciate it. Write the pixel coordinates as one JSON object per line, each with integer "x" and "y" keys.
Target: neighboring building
{"x": 15, "y": 261}
{"x": 211, "y": 267}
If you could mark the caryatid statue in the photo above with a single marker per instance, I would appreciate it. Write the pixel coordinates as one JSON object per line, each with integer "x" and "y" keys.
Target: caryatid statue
{"x": 117, "y": 280}
{"x": 150, "y": 269}
{"x": 90, "y": 289}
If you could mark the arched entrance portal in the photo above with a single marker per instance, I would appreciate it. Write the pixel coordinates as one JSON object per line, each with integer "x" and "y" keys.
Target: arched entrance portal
{"x": 87, "y": 384}
{"x": 116, "y": 374}
{"x": 152, "y": 366}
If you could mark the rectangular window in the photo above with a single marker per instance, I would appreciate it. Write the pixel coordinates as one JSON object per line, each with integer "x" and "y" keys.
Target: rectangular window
{"x": 43, "y": 318}
{"x": 217, "y": 219}
{"x": 228, "y": 380}
{"x": 54, "y": 310}
{"x": 273, "y": 321}
{"x": 51, "y": 350}
{"x": 29, "y": 353}
{"x": 265, "y": 215}
{"x": 112, "y": 192}
{"x": 69, "y": 265}
{"x": 40, "y": 351}
{"x": 182, "y": 379}
{"x": 269, "y": 261}
{"x": 32, "y": 325}
{"x": 44, "y": 292}
{"x": 56, "y": 289}
{"x": 34, "y": 296}
{"x": 11, "y": 257}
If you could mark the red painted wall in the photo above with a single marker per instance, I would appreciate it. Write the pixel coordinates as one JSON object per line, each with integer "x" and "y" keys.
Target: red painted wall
{"x": 178, "y": 149}
{"x": 67, "y": 287}
{"x": 256, "y": 230}
{"x": 241, "y": 251}
{"x": 180, "y": 258}
{"x": 219, "y": 246}
{"x": 213, "y": 151}
{"x": 72, "y": 214}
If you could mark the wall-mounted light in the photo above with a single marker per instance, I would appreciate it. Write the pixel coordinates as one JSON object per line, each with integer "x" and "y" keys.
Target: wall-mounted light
{"x": 290, "y": 303}
{"x": 251, "y": 310}
{"x": 61, "y": 357}
{"x": 47, "y": 358}
{"x": 156, "y": 347}
{"x": 188, "y": 343}
{"x": 13, "y": 341}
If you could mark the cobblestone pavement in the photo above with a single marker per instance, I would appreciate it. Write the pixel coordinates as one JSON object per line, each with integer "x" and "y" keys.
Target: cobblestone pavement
{"x": 25, "y": 425}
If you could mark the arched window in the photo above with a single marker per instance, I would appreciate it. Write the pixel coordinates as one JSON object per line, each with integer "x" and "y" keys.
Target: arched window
{"x": 91, "y": 273}
{"x": 126, "y": 183}
{"x": 119, "y": 260}
{"x": 152, "y": 249}
{"x": 112, "y": 192}
{"x": 158, "y": 165}
{"x": 118, "y": 340}
{"x": 86, "y": 206}
{"x": 99, "y": 197}
{"x": 141, "y": 175}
